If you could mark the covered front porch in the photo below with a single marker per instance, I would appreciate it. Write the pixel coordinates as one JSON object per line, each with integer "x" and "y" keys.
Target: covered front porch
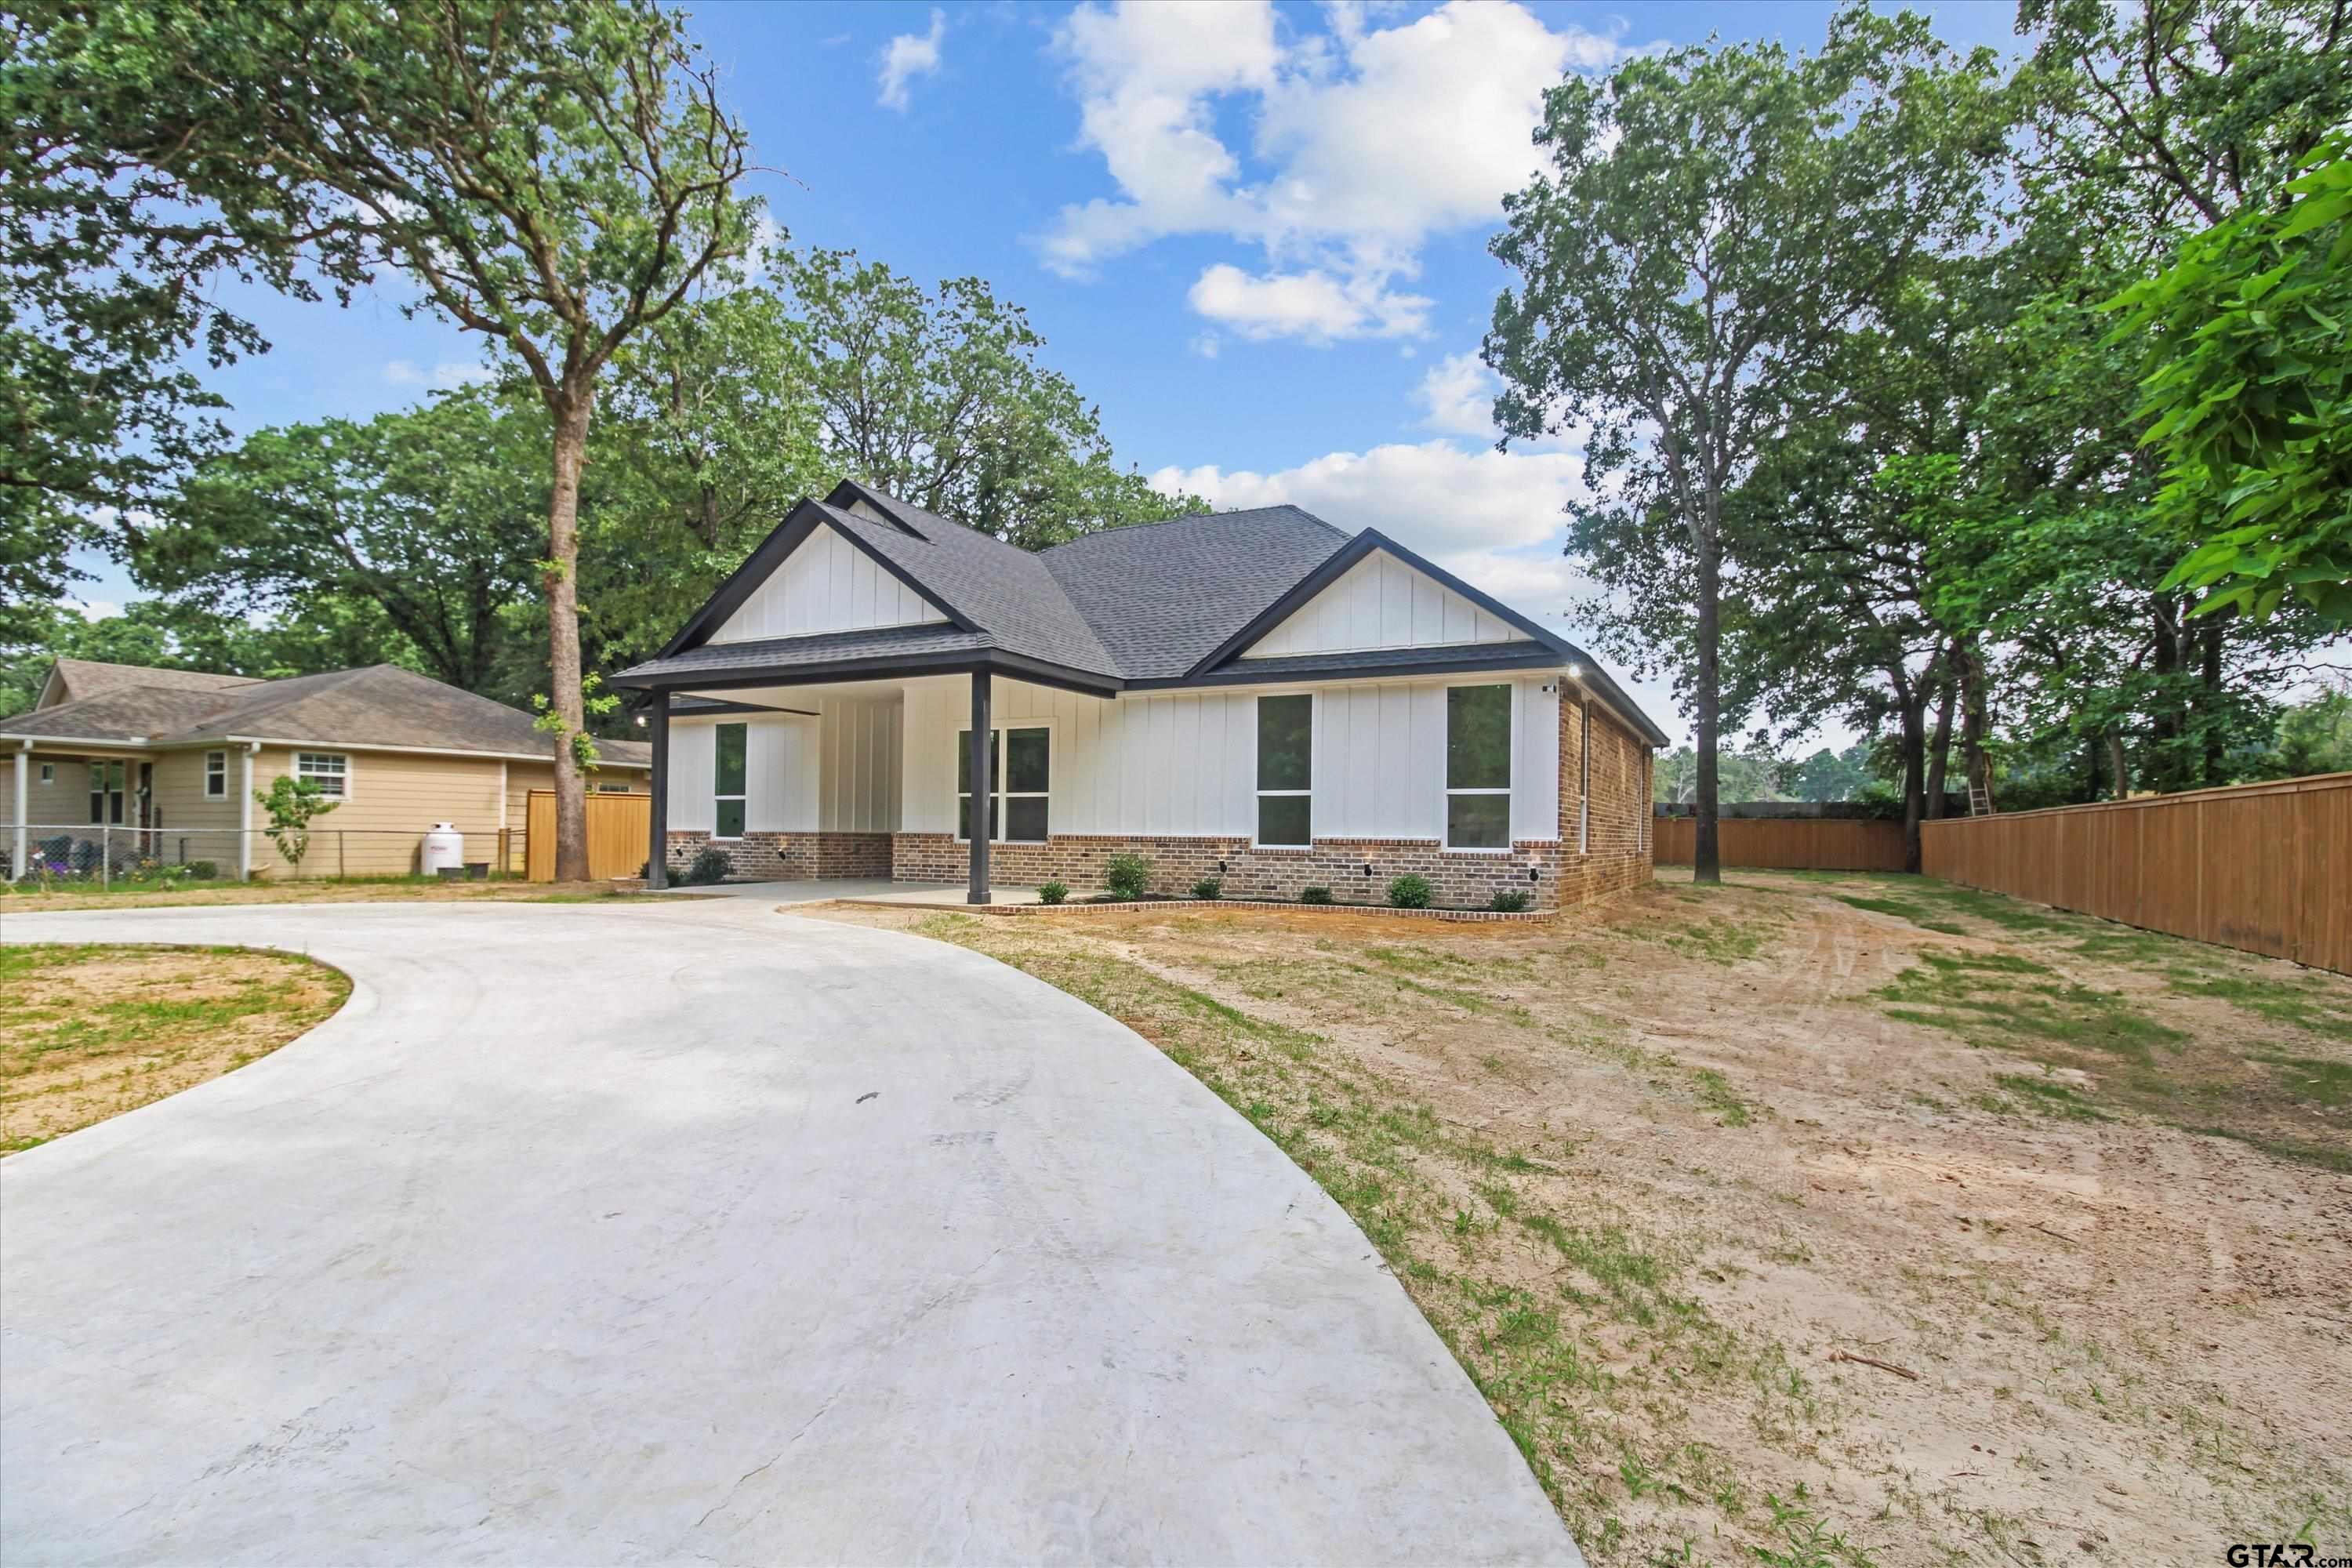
{"x": 868, "y": 781}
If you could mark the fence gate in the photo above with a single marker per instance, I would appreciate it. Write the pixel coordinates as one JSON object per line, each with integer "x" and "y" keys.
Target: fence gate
{"x": 617, "y": 826}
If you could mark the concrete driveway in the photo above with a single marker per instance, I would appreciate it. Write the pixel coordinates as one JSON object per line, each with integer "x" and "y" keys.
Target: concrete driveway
{"x": 688, "y": 1231}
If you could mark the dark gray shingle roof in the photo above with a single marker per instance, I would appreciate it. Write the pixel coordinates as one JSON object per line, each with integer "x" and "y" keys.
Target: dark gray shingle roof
{"x": 1164, "y": 594}
{"x": 1373, "y": 661}
{"x": 90, "y": 676}
{"x": 782, "y": 655}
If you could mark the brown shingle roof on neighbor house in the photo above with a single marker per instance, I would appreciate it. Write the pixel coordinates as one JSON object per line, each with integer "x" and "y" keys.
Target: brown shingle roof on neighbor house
{"x": 378, "y": 705}
{"x": 83, "y": 678}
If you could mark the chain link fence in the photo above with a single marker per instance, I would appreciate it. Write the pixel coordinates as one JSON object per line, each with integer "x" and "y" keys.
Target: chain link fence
{"x": 66, "y": 855}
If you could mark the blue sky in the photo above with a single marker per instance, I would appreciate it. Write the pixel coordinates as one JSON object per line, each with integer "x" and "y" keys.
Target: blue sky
{"x": 1254, "y": 233}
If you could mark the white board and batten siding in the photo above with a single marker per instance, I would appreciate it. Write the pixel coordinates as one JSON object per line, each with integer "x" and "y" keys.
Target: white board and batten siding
{"x": 827, "y": 585}
{"x": 836, "y": 770}
{"x": 1381, "y": 603}
{"x": 1182, "y": 764}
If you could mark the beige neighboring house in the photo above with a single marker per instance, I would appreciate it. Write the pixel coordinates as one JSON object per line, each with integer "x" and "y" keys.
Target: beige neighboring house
{"x": 123, "y": 763}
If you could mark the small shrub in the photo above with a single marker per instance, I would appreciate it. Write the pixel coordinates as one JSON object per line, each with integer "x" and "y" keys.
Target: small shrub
{"x": 1508, "y": 903}
{"x": 1127, "y": 875}
{"x": 1052, "y": 892}
{"x": 1208, "y": 888}
{"x": 1409, "y": 891}
{"x": 712, "y": 865}
{"x": 1316, "y": 895}
{"x": 202, "y": 872}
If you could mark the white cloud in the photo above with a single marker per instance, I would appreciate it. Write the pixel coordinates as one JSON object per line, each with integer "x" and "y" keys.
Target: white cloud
{"x": 1432, "y": 497}
{"x": 444, "y": 376}
{"x": 1457, "y": 397}
{"x": 1312, "y": 305}
{"x": 1208, "y": 345}
{"x": 908, "y": 55}
{"x": 1365, "y": 140}
{"x": 95, "y": 609}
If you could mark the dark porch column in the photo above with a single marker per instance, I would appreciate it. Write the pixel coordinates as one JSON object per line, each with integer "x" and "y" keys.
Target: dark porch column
{"x": 983, "y": 787}
{"x": 657, "y": 785}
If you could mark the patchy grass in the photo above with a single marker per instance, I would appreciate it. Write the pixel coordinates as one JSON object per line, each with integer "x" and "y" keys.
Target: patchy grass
{"x": 2302, "y": 1001}
{"x": 90, "y": 1031}
{"x": 1649, "y": 1172}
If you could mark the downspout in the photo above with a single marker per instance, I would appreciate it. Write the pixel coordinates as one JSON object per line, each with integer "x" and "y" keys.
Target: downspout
{"x": 244, "y": 810}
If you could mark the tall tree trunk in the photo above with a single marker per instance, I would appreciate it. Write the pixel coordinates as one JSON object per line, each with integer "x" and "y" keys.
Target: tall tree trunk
{"x": 1939, "y": 749}
{"x": 2209, "y": 694}
{"x": 570, "y": 413}
{"x": 1707, "y": 857}
{"x": 2163, "y": 767}
{"x": 2121, "y": 763}
{"x": 1911, "y": 705}
{"x": 2091, "y": 768}
{"x": 1975, "y": 718}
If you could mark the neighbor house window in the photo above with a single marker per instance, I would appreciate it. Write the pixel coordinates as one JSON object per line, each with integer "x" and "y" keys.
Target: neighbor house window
{"x": 1022, "y": 784}
{"x": 727, "y": 781}
{"x": 330, "y": 771}
{"x": 215, "y": 775}
{"x": 49, "y": 772}
{"x": 1478, "y": 767}
{"x": 105, "y": 793}
{"x": 1285, "y": 772}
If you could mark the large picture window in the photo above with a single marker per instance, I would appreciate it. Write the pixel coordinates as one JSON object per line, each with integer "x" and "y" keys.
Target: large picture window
{"x": 1478, "y": 767}
{"x": 1285, "y": 772}
{"x": 727, "y": 775}
{"x": 1021, "y": 785}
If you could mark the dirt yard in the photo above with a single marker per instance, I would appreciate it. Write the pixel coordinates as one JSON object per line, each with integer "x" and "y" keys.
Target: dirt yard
{"x": 89, "y": 1032}
{"x": 1815, "y": 1219}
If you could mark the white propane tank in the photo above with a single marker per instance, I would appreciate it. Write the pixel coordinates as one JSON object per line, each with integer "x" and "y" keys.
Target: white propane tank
{"x": 445, "y": 850}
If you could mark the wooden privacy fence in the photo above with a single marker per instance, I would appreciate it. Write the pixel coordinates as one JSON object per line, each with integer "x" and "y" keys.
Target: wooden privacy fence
{"x": 2266, "y": 868}
{"x": 1788, "y": 843}
{"x": 618, "y": 824}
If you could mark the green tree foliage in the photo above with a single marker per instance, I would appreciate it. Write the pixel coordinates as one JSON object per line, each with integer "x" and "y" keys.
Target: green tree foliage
{"x": 292, "y": 804}
{"x": 554, "y": 176}
{"x": 2249, "y": 393}
{"x": 1711, "y": 224}
{"x": 939, "y": 398}
{"x": 435, "y": 516}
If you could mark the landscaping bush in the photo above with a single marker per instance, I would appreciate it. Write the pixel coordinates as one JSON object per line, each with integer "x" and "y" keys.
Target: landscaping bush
{"x": 1508, "y": 903}
{"x": 1208, "y": 888}
{"x": 1052, "y": 892}
{"x": 201, "y": 871}
{"x": 1409, "y": 891}
{"x": 712, "y": 865}
{"x": 1317, "y": 895}
{"x": 1127, "y": 875}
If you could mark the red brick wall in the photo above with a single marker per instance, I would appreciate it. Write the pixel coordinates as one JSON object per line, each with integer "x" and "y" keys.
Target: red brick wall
{"x": 1460, "y": 879}
{"x": 1617, "y": 834}
{"x": 790, "y": 857}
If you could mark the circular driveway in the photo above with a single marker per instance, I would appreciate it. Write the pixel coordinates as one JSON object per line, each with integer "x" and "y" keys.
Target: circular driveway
{"x": 694, "y": 1232}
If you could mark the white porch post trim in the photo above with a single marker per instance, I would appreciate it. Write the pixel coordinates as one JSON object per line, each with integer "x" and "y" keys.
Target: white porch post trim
{"x": 17, "y": 863}
{"x": 244, "y": 811}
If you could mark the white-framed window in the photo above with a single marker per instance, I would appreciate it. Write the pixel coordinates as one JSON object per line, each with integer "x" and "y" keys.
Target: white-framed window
{"x": 49, "y": 772}
{"x": 727, "y": 774}
{"x": 330, "y": 771}
{"x": 1478, "y": 767}
{"x": 1020, "y": 801}
{"x": 1285, "y": 772}
{"x": 215, "y": 775}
